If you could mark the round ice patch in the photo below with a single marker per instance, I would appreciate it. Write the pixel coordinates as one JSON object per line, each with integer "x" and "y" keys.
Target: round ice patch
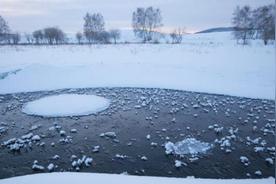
{"x": 66, "y": 105}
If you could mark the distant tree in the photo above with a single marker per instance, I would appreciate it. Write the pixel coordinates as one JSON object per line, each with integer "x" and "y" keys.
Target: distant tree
{"x": 7, "y": 38}
{"x": 38, "y": 36}
{"x": 173, "y": 36}
{"x": 104, "y": 37}
{"x": 29, "y": 38}
{"x": 153, "y": 21}
{"x": 4, "y": 30}
{"x": 49, "y": 35}
{"x": 79, "y": 37}
{"x": 177, "y": 36}
{"x": 139, "y": 23}
{"x": 243, "y": 25}
{"x": 115, "y": 34}
{"x": 94, "y": 27}
{"x": 264, "y": 23}
{"x": 157, "y": 36}
{"x": 15, "y": 37}
{"x": 54, "y": 35}
{"x": 145, "y": 22}
{"x": 60, "y": 36}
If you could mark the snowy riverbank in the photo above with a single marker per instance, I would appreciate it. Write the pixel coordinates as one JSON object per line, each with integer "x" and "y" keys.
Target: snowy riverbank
{"x": 72, "y": 178}
{"x": 211, "y": 63}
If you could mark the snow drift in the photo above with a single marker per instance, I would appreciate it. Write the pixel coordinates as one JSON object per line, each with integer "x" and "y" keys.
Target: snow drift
{"x": 85, "y": 178}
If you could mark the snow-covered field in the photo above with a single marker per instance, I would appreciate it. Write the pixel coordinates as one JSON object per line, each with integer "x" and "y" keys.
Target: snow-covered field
{"x": 72, "y": 178}
{"x": 211, "y": 63}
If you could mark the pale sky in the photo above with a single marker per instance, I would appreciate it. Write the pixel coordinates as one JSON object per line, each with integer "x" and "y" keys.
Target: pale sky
{"x": 194, "y": 15}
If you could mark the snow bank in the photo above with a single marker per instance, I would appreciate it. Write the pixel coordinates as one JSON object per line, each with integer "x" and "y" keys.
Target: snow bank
{"x": 85, "y": 178}
{"x": 66, "y": 105}
{"x": 211, "y": 63}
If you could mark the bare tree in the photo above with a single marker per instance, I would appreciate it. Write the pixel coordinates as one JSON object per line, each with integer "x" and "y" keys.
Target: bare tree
{"x": 49, "y": 35}
{"x": 145, "y": 22}
{"x": 29, "y": 38}
{"x": 104, "y": 37}
{"x": 60, "y": 36}
{"x": 177, "y": 35}
{"x": 7, "y": 38}
{"x": 157, "y": 36}
{"x": 94, "y": 27}
{"x": 258, "y": 23}
{"x": 242, "y": 21}
{"x": 139, "y": 23}
{"x": 4, "y": 30}
{"x": 16, "y": 37}
{"x": 264, "y": 23}
{"x": 54, "y": 35}
{"x": 153, "y": 21}
{"x": 38, "y": 36}
{"x": 79, "y": 37}
{"x": 115, "y": 34}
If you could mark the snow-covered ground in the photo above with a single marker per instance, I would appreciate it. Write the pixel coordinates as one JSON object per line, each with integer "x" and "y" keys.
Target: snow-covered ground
{"x": 66, "y": 105}
{"x": 84, "y": 178}
{"x": 211, "y": 63}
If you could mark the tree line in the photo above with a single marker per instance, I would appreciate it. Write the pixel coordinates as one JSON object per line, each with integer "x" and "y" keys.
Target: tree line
{"x": 256, "y": 23}
{"x": 6, "y": 35}
{"x": 146, "y": 23}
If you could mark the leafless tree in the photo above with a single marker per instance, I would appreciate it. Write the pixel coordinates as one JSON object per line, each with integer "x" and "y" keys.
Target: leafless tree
{"x": 38, "y": 36}
{"x": 15, "y": 37}
{"x": 4, "y": 30}
{"x": 264, "y": 23}
{"x": 145, "y": 22}
{"x": 54, "y": 35}
{"x": 177, "y": 36}
{"x": 243, "y": 26}
{"x": 29, "y": 38}
{"x": 115, "y": 34}
{"x": 103, "y": 37}
{"x": 79, "y": 37}
{"x": 94, "y": 27}
{"x": 258, "y": 23}
{"x": 7, "y": 38}
{"x": 156, "y": 36}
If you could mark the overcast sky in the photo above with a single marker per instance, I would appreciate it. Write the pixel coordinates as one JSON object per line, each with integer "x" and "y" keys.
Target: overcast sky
{"x": 194, "y": 15}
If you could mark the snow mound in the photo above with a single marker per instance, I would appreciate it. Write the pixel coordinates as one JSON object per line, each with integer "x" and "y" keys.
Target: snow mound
{"x": 72, "y": 178}
{"x": 189, "y": 146}
{"x": 66, "y": 105}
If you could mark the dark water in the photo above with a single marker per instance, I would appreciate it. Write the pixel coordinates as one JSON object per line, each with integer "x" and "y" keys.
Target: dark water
{"x": 131, "y": 125}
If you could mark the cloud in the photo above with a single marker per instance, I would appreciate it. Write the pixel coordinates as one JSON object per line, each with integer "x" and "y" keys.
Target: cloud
{"x": 30, "y": 7}
{"x": 11, "y": 8}
{"x": 14, "y": 12}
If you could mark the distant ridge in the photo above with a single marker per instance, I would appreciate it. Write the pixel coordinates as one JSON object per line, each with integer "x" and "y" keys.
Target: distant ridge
{"x": 217, "y": 29}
